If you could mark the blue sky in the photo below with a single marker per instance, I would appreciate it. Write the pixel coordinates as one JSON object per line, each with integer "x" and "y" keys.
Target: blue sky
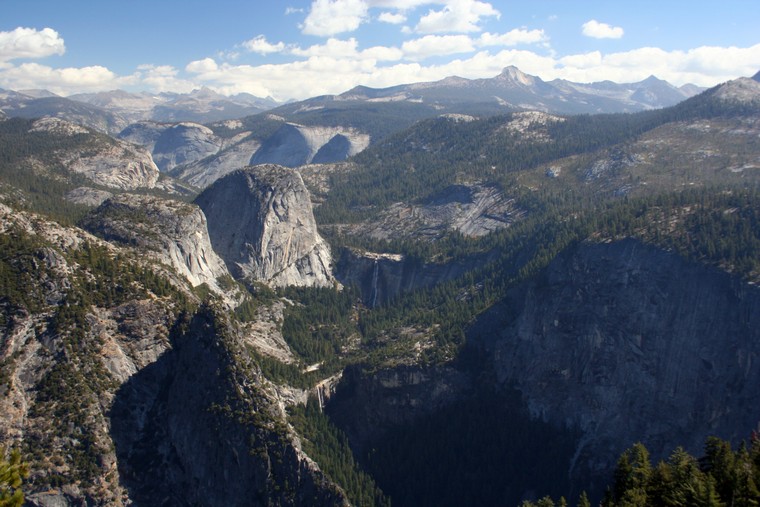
{"x": 299, "y": 49}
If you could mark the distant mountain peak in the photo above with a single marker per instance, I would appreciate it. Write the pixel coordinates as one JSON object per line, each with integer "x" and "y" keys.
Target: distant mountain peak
{"x": 515, "y": 75}
{"x": 652, "y": 79}
{"x": 38, "y": 94}
{"x": 756, "y": 77}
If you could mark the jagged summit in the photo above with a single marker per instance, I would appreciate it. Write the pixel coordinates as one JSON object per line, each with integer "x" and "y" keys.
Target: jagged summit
{"x": 756, "y": 77}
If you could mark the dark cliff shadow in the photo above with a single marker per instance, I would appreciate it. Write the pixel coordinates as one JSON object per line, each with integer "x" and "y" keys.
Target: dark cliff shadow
{"x": 139, "y": 431}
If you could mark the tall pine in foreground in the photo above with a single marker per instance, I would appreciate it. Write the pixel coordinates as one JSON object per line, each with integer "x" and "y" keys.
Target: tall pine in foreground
{"x": 12, "y": 474}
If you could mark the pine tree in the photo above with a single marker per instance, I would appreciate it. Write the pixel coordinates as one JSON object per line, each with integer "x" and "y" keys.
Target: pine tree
{"x": 12, "y": 474}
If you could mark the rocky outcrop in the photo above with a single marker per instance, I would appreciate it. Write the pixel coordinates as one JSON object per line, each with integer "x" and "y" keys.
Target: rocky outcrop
{"x": 628, "y": 343}
{"x": 120, "y": 393}
{"x": 184, "y": 143}
{"x": 65, "y": 347}
{"x": 261, "y": 223}
{"x": 88, "y": 196}
{"x": 173, "y": 144}
{"x": 473, "y": 210}
{"x": 175, "y": 232}
{"x": 105, "y": 161}
{"x": 294, "y": 145}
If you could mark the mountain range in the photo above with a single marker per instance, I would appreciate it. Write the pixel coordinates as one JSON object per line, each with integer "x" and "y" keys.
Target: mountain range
{"x": 432, "y": 306}
{"x": 111, "y": 111}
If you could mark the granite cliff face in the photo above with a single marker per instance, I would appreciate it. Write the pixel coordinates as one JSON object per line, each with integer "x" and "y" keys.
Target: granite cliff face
{"x": 65, "y": 347}
{"x": 107, "y": 162}
{"x": 122, "y": 392}
{"x": 294, "y": 145}
{"x": 199, "y": 427}
{"x": 174, "y": 232}
{"x": 628, "y": 343}
{"x": 173, "y": 145}
{"x": 235, "y": 153}
{"x": 382, "y": 277}
{"x": 261, "y": 223}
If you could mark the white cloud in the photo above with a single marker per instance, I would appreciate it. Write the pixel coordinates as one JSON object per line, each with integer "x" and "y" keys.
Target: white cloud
{"x": 383, "y": 53}
{"x": 331, "y": 17}
{"x": 583, "y": 61}
{"x": 30, "y": 43}
{"x": 202, "y": 66}
{"x": 457, "y": 16}
{"x": 63, "y": 81}
{"x": 437, "y": 45}
{"x": 292, "y": 10}
{"x": 260, "y": 45}
{"x": 598, "y": 30}
{"x": 348, "y": 49}
{"x": 403, "y": 5}
{"x": 394, "y": 18}
{"x": 336, "y": 48}
{"x": 512, "y": 38}
{"x": 163, "y": 78}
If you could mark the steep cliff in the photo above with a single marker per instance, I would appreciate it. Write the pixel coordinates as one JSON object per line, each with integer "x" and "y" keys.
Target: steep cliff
{"x": 173, "y": 144}
{"x": 175, "y": 232}
{"x": 382, "y": 277}
{"x": 184, "y": 143}
{"x": 261, "y": 223}
{"x": 118, "y": 392}
{"x": 77, "y": 320}
{"x": 628, "y": 343}
{"x": 199, "y": 428}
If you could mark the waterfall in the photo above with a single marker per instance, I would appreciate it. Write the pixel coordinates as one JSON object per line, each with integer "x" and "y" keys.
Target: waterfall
{"x": 373, "y": 292}
{"x": 321, "y": 398}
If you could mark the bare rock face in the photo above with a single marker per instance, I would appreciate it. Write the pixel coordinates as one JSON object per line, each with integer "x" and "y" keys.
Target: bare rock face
{"x": 184, "y": 143}
{"x": 294, "y": 145}
{"x": 173, "y": 145}
{"x": 382, "y": 277}
{"x": 628, "y": 343}
{"x": 107, "y": 162}
{"x": 261, "y": 223}
{"x": 235, "y": 154}
{"x": 174, "y": 231}
{"x": 472, "y": 210}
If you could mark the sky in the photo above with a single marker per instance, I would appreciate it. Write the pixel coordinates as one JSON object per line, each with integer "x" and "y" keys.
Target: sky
{"x": 296, "y": 49}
